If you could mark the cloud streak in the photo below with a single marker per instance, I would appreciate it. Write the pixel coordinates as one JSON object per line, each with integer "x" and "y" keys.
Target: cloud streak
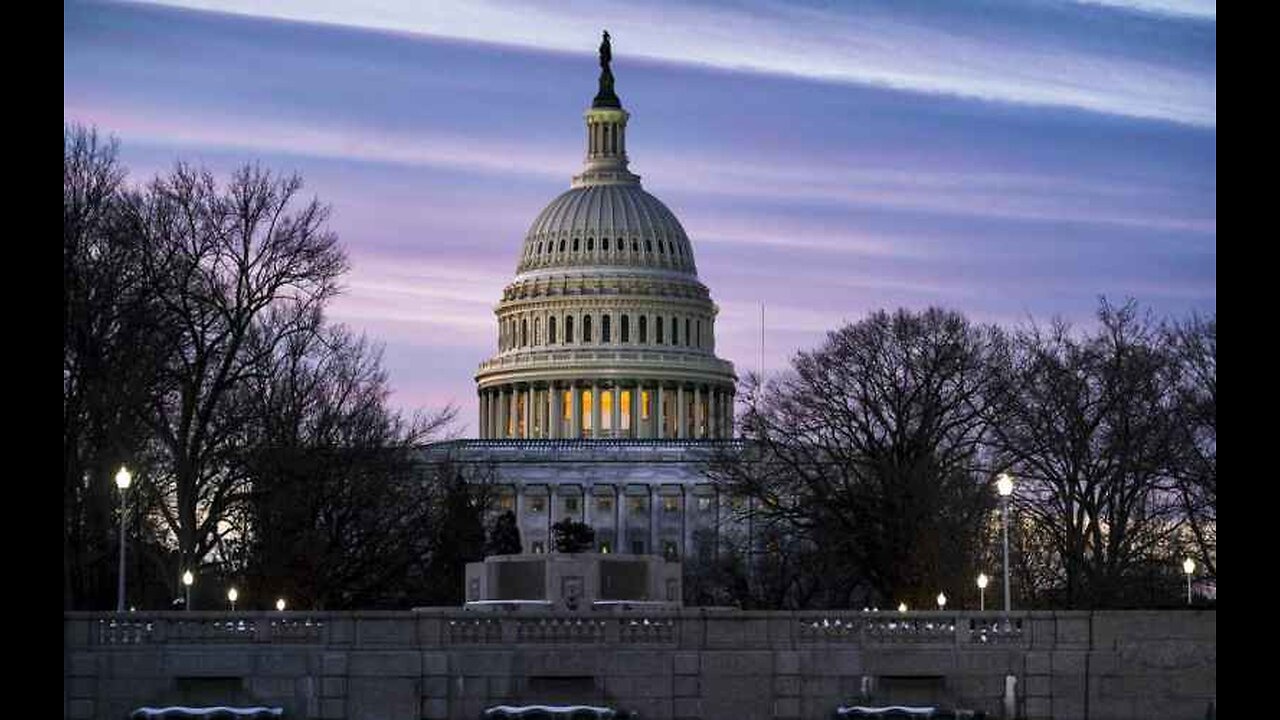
{"x": 1006, "y": 53}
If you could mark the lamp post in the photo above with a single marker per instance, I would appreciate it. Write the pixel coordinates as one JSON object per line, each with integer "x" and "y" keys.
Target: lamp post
{"x": 982, "y": 592}
{"x": 902, "y": 607}
{"x": 942, "y": 601}
{"x": 280, "y": 604}
{"x": 187, "y": 579}
{"x": 123, "y": 478}
{"x": 1188, "y": 567}
{"x": 1004, "y": 485}
{"x": 231, "y": 596}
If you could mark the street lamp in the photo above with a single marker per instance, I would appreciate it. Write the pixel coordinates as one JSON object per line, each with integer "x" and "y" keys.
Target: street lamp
{"x": 123, "y": 478}
{"x": 232, "y": 595}
{"x": 942, "y": 601}
{"x": 1188, "y": 567}
{"x": 1004, "y": 485}
{"x": 902, "y": 607}
{"x": 280, "y": 604}
{"x": 982, "y": 592}
{"x": 187, "y": 579}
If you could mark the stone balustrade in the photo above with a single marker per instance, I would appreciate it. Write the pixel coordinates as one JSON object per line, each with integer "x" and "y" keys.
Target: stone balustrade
{"x": 667, "y": 664}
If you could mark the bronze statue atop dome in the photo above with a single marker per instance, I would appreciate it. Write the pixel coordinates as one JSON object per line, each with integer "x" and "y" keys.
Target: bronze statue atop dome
{"x": 606, "y": 97}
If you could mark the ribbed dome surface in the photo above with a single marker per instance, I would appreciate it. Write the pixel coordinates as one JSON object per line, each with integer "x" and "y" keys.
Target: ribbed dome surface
{"x": 612, "y": 224}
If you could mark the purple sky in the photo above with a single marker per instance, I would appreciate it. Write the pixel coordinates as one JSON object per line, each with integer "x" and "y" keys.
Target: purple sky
{"x": 1005, "y": 159}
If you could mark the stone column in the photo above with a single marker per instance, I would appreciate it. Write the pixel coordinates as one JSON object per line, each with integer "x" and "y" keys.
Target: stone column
{"x": 728, "y": 414}
{"x": 653, "y": 519}
{"x": 524, "y": 547}
{"x": 503, "y": 413}
{"x": 682, "y": 414}
{"x": 617, "y": 410}
{"x": 575, "y": 411}
{"x": 620, "y": 517}
{"x": 635, "y": 411}
{"x": 595, "y": 410}
{"x": 712, "y": 398}
{"x": 513, "y": 412}
{"x": 659, "y": 426}
{"x": 528, "y": 412}
{"x": 699, "y": 424}
{"x": 481, "y": 422}
{"x": 557, "y": 411}
{"x": 686, "y": 527}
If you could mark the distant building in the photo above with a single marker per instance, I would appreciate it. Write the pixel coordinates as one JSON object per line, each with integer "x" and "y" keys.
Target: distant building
{"x": 605, "y": 396}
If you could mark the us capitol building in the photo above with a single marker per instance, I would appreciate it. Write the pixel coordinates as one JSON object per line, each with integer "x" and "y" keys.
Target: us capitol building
{"x": 605, "y": 398}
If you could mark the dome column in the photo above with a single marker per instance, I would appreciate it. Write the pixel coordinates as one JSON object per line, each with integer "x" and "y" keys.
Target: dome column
{"x": 596, "y": 431}
{"x": 682, "y": 416}
{"x": 659, "y": 416}
{"x": 575, "y": 410}
{"x": 712, "y": 426}
{"x": 635, "y": 410}
{"x": 555, "y": 423}
{"x": 615, "y": 426}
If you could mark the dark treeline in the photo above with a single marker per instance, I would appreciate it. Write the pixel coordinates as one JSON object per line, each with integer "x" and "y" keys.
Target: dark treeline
{"x": 868, "y": 475}
{"x": 264, "y": 455}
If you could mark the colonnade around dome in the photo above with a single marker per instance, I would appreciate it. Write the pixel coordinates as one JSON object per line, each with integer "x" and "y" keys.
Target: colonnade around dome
{"x": 639, "y": 408}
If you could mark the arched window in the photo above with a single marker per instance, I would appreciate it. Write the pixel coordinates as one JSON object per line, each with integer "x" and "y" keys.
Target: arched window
{"x": 604, "y": 244}
{"x": 562, "y": 246}
{"x": 586, "y": 328}
{"x": 524, "y": 332}
{"x": 575, "y": 244}
{"x": 591, "y": 244}
{"x": 635, "y": 246}
{"x": 626, "y": 328}
{"x": 686, "y": 333}
{"x": 699, "y": 341}
{"x": 648, "y": 246}
{"x": 660, "y": 250}
{"x": 551, "y": 330}
{"x": 539, "y": 247}
{"x": 658, "y": 331}
{"x": 675, "y": 331}
{"x": 568, "y": 329}
{"x": 644, "y": 329}
{"x": 604, "y": 328}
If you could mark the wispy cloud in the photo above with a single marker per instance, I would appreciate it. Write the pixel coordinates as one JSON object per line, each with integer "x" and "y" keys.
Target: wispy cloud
{"x": 1018, "y": 61}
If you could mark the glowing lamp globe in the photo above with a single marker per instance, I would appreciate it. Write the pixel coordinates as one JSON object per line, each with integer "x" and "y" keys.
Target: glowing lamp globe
{"x": 123, "y": 478}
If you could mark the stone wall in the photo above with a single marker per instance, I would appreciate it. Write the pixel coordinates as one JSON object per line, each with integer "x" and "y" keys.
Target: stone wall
{"x": 693, "y": 663}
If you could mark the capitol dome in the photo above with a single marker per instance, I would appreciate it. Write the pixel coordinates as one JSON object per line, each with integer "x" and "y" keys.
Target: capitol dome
{"x": 606, "y": 331}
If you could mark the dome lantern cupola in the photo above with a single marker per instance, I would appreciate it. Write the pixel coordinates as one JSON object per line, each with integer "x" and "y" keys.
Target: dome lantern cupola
{"x": 606, "y": 331}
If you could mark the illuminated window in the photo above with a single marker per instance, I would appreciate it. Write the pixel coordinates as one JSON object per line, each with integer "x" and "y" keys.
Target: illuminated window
{"x": 606, "y": 410}
{"x": 538, "y": 548}
{"x": 506, "y": 502}
{"x": 605, "y": 547}
{"x": 625, "y": 410}
{"x": 604, "y": 503}
{"x": 670, "y": 504}
{"x": 669, "y": 550}
{"x": 639, "y": 505}
{"x": 644, "y": 403}
{"x": 704, "y": 504}
{"x": 586, "y": 410}
{"x": 566, "y": 404}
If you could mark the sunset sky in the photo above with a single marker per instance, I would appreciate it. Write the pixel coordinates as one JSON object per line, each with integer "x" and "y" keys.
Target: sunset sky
{"x": 1009, "y": 159}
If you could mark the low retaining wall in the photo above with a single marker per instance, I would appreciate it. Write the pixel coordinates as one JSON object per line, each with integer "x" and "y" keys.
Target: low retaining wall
{"x": 677, "y": 665}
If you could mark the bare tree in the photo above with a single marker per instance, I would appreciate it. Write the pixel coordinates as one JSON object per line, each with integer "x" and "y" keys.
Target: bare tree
{"x": 1087, "y": 429}
{"x": 1194, "y": 468}
{"x": 237, "y": 272}
{"x": 869, "y": 450}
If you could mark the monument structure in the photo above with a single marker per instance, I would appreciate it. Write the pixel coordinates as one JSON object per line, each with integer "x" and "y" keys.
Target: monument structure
{"x": 605, "y": 395}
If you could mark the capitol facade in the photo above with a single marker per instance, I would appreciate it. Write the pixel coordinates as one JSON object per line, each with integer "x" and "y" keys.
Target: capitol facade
{"x": 605, "y": 398}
